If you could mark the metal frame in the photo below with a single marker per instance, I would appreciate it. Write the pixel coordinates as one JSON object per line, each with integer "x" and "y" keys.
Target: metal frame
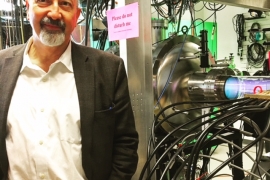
{"x": 263, "y": 5}
{"x": 139, "y": 65}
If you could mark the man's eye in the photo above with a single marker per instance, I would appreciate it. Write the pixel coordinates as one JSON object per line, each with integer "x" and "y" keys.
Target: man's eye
{"x": 42, "y": 1}
{"x": 66, "y": 3}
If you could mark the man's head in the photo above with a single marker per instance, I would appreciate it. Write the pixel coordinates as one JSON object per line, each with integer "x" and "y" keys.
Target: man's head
{"x": 52, "y": 21}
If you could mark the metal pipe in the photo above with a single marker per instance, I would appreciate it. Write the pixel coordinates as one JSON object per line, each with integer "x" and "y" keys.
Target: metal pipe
{"x": 262, "y": 5}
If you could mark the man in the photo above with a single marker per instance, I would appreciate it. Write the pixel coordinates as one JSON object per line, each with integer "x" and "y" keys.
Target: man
{"x": 65, "y": 109}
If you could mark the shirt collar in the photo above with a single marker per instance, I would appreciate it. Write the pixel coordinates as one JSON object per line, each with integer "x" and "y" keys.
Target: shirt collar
{"x": 65, "y": 58}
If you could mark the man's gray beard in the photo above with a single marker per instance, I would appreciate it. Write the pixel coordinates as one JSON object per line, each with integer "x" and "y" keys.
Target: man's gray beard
{"x": 51, "y": 39}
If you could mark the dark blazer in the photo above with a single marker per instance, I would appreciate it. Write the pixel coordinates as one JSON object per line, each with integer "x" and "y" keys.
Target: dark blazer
{"x": 109, "y": 138}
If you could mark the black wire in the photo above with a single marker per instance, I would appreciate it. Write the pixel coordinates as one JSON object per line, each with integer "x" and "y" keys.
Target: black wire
{"x": 258, "y": 158}
{"x": 222, "y": 175}
{"x": 239, "y": 28}
{"x": 157, "y": 147}
{"x": 155, "y": 127}
{"x": 209, "y": 176}
{"x": 180, "y": 149}
{"x": 172, "y": 6}
{"x": 160, "y": 41}
{"x": 203, "y": 21}
{"x": 256, "y": 54}
{"x": 180, "y": 15}
{"x": 179, "y": 127}
{"x": 212, "y": 135}
{"x": 194, "y": 153}
{"x": 191, "y": 7}
{"x": 210, "y": 8}
{"x": 171, "y": 71}
{"x": 156, "y": 119}
{"x": 214, "y": 104}
{"x": 243, "y": 150}
{"x": 87, "y": 19}
{"x": 150, "y": 141}
{"x": 200, "y": 140}
{"x": 99, "y": 8}
{"x": 199, "y": 9}
{"x": 159, "y": 10}
{"x": 185, "y": 5}
{"x": 254, "y": 29}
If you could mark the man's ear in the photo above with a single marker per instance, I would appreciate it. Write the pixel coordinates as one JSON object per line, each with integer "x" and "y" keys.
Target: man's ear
{"x": 27, "y": 4}
{"x": 27, "y": 8}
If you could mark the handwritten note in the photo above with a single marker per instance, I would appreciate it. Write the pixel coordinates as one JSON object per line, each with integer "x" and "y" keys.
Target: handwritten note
{"x": 123, "y": 22}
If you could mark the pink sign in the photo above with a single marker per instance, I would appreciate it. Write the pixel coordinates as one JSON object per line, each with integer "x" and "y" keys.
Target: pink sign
{"x": 123, "y": 22}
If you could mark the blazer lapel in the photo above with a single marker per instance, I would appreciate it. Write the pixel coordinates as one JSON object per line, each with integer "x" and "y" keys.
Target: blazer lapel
{"x": 84, "y": 77}
{"x": 8, "y": 77}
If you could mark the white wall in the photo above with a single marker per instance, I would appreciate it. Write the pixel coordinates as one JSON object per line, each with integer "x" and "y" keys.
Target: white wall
{"x": 227, "y": 37}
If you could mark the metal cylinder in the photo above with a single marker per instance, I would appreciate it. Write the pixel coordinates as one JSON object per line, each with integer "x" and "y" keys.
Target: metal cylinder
{"x": 220, "y": 87}
{"x": 159, "y": 27}
{"x": 196, "y": 86}
{"x": 208, "y": 86}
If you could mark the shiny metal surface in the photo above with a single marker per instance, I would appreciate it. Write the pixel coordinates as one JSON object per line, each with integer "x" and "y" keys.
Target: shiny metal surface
{"x": 208, "y": 86}
{"x": 159, "y": 27}
{"x": 188, "y": 82}
{"x": 210, "y": 91}
{"x": 139, "y": 69}
{"x": 182, "y": 50}
{"x": 263, "y": 5}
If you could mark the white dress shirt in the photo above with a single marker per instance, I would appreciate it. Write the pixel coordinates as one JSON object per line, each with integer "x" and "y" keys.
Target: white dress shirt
{"x": 44, "y": 140}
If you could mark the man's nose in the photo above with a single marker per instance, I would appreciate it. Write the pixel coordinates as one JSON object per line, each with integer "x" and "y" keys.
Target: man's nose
{"x": 55, "y": 11}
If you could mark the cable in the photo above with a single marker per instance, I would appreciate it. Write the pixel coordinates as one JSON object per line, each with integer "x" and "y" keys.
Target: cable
{"x": 239, "y": 28}
{"x": 154, "y": 127}
{"x": 213, "y": 6}
{"x": 191, "y": 130}
{"x": 179, "y": 139}
{"x": 258, "y": 131}
{"x": 230, "y": 165}
{"x": 256, "y": 55}
{"x": 96, "y": 7}
{"x": 171, "y": 71}
{"x": 197, "y": 146}
{"x": 215, "y": 103}
{"x": 180, "y": 15}
{"x": 87, "y": 20}
{"x": 259, "y": 152}
{"x": 254, "y": 29}
{"x": 198, "y": 9}
{"x": 249, "y": 145}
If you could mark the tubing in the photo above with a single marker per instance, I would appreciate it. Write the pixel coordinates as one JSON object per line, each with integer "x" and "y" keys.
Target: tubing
{"x": 236, "y": 86}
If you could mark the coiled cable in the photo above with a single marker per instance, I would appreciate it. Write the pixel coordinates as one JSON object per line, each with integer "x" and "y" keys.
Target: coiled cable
{"x": 256, "y": 54}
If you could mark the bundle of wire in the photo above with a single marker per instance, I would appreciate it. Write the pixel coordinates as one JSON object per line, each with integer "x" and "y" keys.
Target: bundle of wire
{"x": 256, "y": 54}
{"x": 220, "y": 121}
{"x": 12, "y": 27}
{"x": 213, "y": 6}
{"x": 254, "y": 32}
{"x": 96, "y": 8}
{"x": 239, "y": 28}
{"x": 170, "y": 6}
